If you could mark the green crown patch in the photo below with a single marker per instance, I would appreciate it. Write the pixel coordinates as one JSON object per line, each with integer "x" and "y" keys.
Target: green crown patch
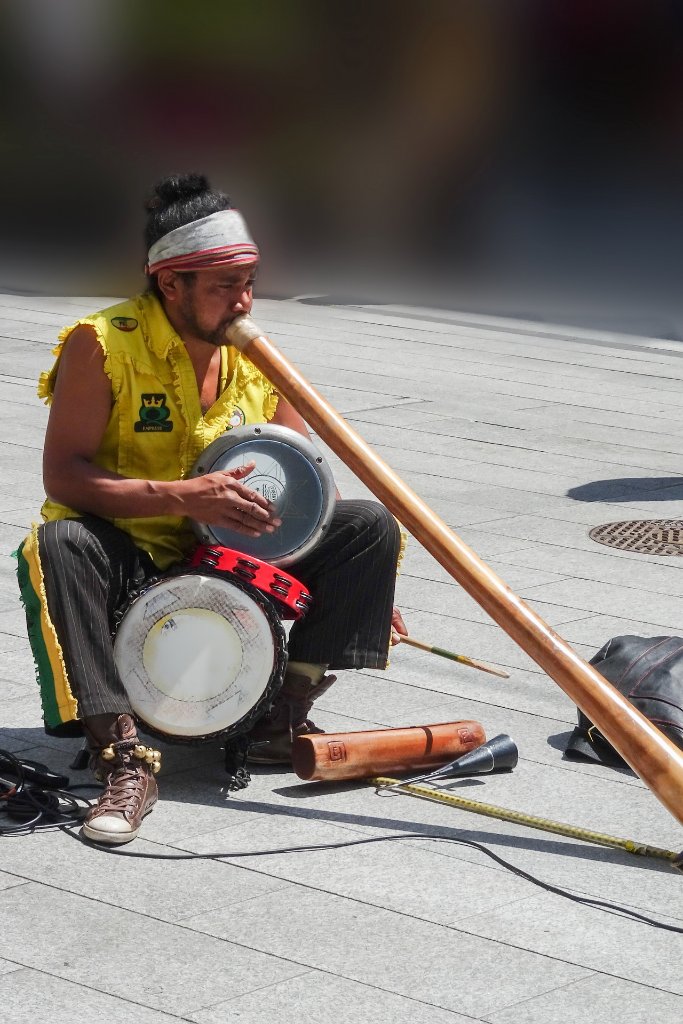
{"x": 154, "y": 415}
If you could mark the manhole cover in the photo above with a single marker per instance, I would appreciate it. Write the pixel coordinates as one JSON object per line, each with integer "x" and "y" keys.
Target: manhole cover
{"x": 649, "y": 536}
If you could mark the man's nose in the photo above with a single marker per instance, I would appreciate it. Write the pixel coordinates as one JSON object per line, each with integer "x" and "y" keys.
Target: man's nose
{"x": 242, "y": 304}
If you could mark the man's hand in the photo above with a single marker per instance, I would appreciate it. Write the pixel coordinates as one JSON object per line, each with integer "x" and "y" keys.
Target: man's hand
{"x": 398, "y": 627}
{"x": 219, "y": 499}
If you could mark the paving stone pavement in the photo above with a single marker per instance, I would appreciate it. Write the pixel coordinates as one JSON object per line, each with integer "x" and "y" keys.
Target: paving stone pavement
{"x": 522, "y": 437}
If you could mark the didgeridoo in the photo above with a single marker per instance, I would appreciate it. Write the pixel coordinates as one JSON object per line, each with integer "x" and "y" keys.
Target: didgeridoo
{"x": 657, "y": 761}
{"x": 359, "y": 755}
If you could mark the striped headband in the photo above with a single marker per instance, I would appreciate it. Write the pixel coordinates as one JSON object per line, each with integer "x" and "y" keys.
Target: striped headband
{"x": 221, "y": 239}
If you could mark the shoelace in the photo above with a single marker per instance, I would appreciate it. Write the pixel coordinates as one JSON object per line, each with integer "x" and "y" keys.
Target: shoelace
{"x": 123, "y": 790}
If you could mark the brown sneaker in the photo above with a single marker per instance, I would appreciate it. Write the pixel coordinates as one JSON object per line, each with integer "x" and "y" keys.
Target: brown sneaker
{"x": 127, "y": 769}
{"x": 270, "y": 741}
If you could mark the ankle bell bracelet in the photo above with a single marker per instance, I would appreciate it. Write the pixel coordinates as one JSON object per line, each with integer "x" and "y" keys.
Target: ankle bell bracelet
{"x": 148, "y": 754}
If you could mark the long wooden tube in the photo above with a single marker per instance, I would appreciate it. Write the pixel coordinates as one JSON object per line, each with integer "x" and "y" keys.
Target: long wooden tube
{"x": 653, "y": 757}
{"x": 358, "y": 755}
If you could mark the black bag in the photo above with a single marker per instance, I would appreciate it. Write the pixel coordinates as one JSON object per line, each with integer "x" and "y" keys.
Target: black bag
{"x": 649, "y": 673}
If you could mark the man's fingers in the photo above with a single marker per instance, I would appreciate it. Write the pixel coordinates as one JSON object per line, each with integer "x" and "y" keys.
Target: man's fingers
{"x": 251, "y": 509}
{"x": 250, "y": 512}
{"x": 239, "y": 472}
{"x": 234, "y": 504}
{"x": 241, "y": 490}
{"x": 398, "y": 627}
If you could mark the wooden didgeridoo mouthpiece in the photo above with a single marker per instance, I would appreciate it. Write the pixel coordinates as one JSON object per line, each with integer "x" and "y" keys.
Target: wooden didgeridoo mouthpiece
{"x": 358, "y": 755}
{"x": 650, "y": 753}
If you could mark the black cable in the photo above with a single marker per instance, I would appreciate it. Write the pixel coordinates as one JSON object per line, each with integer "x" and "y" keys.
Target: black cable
{"x": 33, "y": 799}
{"x": 22, "y": 798}
{"x": 604, "y": 905}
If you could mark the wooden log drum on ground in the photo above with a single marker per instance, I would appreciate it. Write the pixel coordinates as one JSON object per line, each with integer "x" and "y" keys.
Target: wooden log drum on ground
{"x": 359, "y": 755}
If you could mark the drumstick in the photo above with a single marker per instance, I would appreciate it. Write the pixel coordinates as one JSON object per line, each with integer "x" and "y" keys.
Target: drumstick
{"x": 481, "y": 665}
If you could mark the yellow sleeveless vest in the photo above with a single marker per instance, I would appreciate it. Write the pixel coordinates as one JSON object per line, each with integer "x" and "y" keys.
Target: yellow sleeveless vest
{"x": 156, "y": 430}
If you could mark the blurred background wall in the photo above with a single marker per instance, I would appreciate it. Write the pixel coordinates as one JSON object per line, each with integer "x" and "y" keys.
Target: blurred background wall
{"x": 514, "y": 157}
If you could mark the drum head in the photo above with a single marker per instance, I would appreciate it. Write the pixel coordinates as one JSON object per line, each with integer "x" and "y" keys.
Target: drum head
{"x": 291, "y": 473}
{"x": 199, "y": 654}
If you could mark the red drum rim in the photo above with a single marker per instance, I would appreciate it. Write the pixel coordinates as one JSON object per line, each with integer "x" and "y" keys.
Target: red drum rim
{"x": 289, "y": 595}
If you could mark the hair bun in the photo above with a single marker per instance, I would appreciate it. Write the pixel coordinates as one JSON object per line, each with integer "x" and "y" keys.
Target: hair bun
{"x": 177, "y": 187}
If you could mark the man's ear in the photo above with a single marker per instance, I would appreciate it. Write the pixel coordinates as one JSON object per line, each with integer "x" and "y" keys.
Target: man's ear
{"x": 169, "y": 284}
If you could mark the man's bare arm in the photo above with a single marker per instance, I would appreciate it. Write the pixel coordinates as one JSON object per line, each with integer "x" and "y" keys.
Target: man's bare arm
{"x": 287, "y": 416}
{"x": 78, "y": 419}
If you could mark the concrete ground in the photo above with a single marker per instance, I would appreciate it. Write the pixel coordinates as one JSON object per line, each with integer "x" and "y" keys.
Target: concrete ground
{"x": 522, "y": 437}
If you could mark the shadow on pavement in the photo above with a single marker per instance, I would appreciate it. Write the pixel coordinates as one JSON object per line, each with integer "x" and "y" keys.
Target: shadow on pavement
{"x": 629, "y": 489}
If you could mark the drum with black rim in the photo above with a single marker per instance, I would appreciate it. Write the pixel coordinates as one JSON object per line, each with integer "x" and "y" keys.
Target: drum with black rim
{"x": 201, "y": 654}
{"x": 291, "y": 473}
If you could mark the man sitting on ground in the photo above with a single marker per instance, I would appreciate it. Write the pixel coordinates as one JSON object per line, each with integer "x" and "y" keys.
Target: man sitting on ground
{"x": 119, "y": 500}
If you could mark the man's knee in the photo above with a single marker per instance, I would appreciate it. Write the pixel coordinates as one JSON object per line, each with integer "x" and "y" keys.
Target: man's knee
{"x": 58, "y": 533}
{"x": 66, "y": 544}
{"x": 379, "y": 525}
{"x": 65, "y": 534}
{"x": 386, "y": 522}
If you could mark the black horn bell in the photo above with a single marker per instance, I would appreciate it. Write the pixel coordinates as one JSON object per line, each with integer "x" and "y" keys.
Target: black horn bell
{"x": 498, "y": 754}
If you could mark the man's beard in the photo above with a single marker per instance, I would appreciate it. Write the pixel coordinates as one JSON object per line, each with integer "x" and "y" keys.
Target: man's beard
{"x": 214, "y": 337}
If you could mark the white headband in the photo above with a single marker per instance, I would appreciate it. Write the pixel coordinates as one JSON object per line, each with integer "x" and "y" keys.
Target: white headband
{"x": 217, "y": 240}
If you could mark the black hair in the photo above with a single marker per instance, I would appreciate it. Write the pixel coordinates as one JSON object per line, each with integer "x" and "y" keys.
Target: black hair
{"x": 177, "y": 200}
{"x": 180, "y": 199}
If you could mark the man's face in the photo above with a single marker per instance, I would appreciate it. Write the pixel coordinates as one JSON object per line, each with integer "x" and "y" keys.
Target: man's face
{"x": 209, "y": 300}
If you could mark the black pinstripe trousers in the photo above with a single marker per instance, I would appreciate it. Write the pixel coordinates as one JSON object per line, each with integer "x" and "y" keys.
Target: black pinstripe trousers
{"x": 90, "y": 566}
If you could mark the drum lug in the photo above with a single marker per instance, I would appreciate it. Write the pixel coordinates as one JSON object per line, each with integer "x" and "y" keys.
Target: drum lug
{"x": 236, "y": 763}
